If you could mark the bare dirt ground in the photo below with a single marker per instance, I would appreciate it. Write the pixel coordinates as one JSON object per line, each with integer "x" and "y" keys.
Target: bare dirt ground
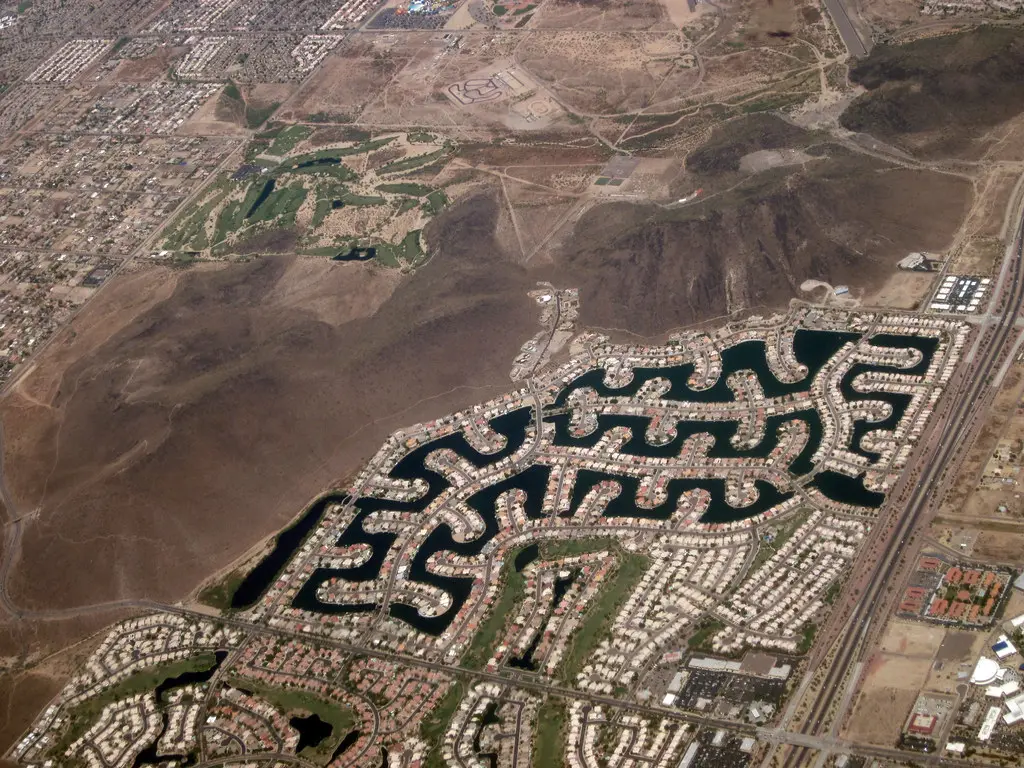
{"x": 414, "y": 94}
{"x": 212, "y": 120}
{"x": 609, "y": 72}
{"x": 912, "y": 639}
{"x": 185, "y": 416}
{"x": 257, "y": 385}
{"x": 879, "y": 715}
{"x": 903, "y": 290}
{"x": 148, "y": 69}
{"x": 680, "y": 15}
{"x": 965, "y": 501}
{"x": 978, "y": 256}
{"x": 601, "y": 15}
{"x": 911, "y": 657}
{"x": 349, "y": 78}
{"x": 261, "y": 95}
{"x": 999, "y": 546}
{"x": 262, "y": 383}
{"x": 891, "y": 14}
{"x": 897, "y": 670}
{"x": 957, "y": 646}
{"x": 772, "y": 21}
{"x": 650, "y": 269}
{"x": 941, "y": 96}
{"x": 959, "y": 651}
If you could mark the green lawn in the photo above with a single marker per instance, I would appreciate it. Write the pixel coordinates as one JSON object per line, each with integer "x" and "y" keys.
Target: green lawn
{"x": 490, "y": 632}
{"x": 293, "y": 184}
{"x": 287, "y": 139}
{"x": 291, "y": 701}
{"x": 602, "y": 612}
{"x": 413, "y": 250}
{"x": 326, "y": 154}
{"x": 218, "y": 595}
{"x": 807, "y": 640}
{"x": 700, "y": 640}
{"x": 409, "y": 163}
{"x": 323, "y": 207}
{"x": 436, "y": 201}
{"x": 833, "y": 591}
{"x": 406, "y": 188}
{"x": 549, "y": 742}
{"x": 82, "y": 716}
{"x": 257, "y": 116}
{"x": 350, "y": 198}
{"x": 782, "y": 534}
{"x": 283, "y": 203}
{"x": 408, "y": 252}
{"x": 188, "y": 231}
{"x": 434, "y": 724}
{"x": 511, "y": 593}
{"x": 228, "y": 220}
{"x": 325, "y": 250}
{"x": 337, "y": 172}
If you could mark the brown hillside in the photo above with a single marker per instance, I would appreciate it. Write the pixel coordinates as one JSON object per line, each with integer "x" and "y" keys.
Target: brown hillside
{"x": 846, "y": 219}
{"x": 212, "y": 418}
{"x": 937, "y": 96}
{"x": 186, "y": 416}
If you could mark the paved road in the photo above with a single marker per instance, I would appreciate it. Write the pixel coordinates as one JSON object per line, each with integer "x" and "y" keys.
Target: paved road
{"x": 972, "y": 403}
{"x": 542, "y": 686}
{"x": 841, "y": 18}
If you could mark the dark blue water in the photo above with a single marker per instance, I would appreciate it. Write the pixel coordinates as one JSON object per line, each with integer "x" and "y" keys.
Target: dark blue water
{"x": 721, "y": 431}
{"x": 526, "y": 556}
{"x": 149, "y": 756}
{"x": 849, "y": 490}
{"x": 189, "y": 678}
{"x": 312, "y": 731}
{"x": 899, "y": 402}
{"x": 356, "y": 254}
{"x": 513, "y": 427}
{"x": 319, "y": 161}
{"x": 350, "y": 738}
{"x": 718, "y": 511}
{"x": 812, "y": 348}
{"x": 290, "y": 539}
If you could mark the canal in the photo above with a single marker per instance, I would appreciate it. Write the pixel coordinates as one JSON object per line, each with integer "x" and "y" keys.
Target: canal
{"x": 811, "y": 348}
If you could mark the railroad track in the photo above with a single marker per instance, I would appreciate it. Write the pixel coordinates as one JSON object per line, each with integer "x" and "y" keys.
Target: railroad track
{"x": 970, "y": 404}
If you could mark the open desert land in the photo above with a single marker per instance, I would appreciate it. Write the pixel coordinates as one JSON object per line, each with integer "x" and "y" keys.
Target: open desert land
{"x": 912, "y": 660}
{"x": 325, "y": 249}
{"x": 986, "y": 489}
{"x": 707, "y": 243}
{"x": 604, "y": 15}
{"x": 355, "y": 73}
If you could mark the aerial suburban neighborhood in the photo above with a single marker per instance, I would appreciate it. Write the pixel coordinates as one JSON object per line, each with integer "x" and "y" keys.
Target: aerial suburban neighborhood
{"x": 664, "y": 528}
{"x": 511, "y": 383}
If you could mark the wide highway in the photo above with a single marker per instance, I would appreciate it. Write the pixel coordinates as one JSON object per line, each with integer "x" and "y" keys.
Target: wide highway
{"x": 946, "y": 441}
